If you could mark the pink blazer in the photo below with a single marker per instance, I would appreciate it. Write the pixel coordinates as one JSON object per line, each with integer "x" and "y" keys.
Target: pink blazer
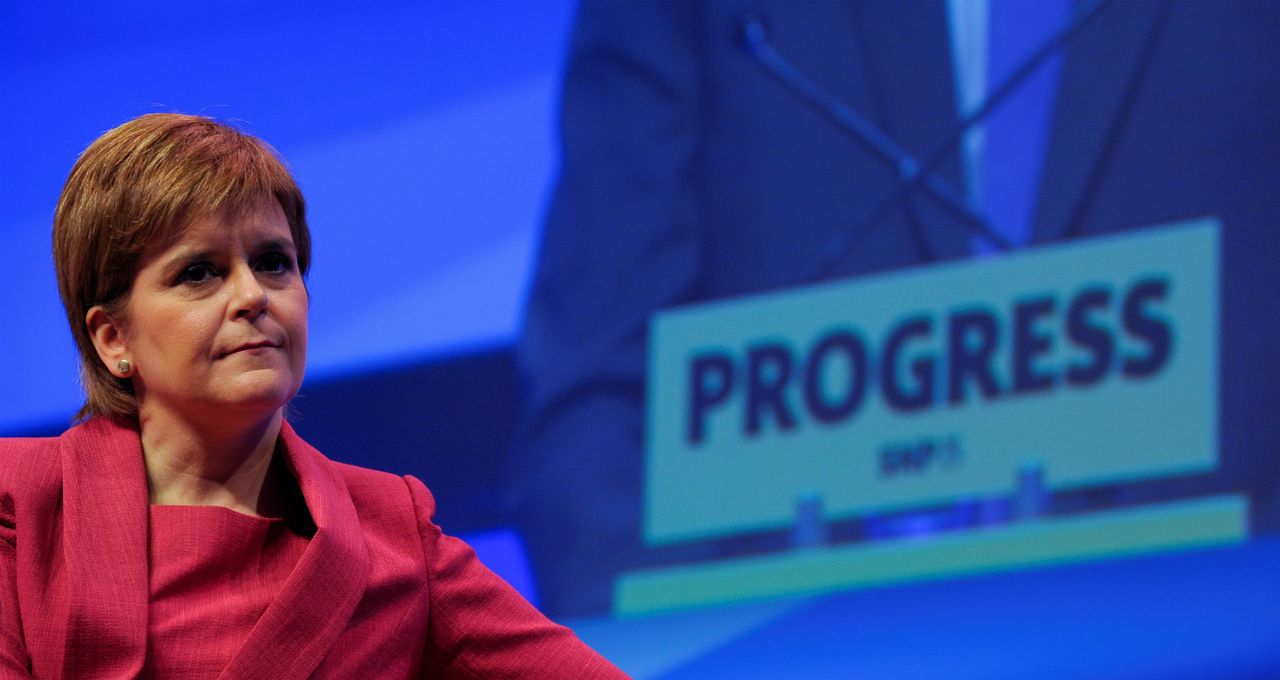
{"x": 379, "y": 592}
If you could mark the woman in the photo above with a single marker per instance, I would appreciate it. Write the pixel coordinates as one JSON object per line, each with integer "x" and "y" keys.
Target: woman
{"x": 183, "y": 529}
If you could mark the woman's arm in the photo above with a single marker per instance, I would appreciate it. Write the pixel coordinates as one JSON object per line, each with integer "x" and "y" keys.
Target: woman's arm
{"x": 14, "y": 661}
{"x": 480, "y": 627}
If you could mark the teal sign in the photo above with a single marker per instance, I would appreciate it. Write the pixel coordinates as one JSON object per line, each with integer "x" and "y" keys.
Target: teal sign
{"x": 1094, "y": 362}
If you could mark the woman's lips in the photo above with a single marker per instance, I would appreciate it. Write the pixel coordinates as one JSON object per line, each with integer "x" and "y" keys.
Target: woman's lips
{"x": 250, "y": 346}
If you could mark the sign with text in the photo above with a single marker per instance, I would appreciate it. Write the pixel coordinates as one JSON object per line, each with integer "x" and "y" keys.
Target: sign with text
{"x": 1094, "y": 362}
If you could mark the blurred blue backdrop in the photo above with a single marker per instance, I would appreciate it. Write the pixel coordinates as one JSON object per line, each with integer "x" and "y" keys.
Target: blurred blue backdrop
{"x": 421, "y": 134}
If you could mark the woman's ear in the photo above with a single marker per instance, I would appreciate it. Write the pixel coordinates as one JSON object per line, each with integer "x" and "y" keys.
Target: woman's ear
{"x": 108, "y": 340}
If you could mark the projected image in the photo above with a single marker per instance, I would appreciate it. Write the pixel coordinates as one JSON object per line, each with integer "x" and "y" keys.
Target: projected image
{"x": 844, "y": 277}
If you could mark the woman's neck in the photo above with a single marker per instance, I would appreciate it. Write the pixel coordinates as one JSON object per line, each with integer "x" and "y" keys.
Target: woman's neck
{"x": 189, "y": 464}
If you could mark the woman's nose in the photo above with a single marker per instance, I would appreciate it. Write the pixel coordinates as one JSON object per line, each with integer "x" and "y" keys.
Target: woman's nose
{"x": 248, "y": 297}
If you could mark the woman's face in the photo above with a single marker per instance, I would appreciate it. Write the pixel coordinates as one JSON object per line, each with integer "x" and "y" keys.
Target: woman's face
{"x": 217, "y": 319}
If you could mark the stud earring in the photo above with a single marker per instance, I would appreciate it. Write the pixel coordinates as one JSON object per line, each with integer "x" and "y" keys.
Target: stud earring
{"x": 124, "y": 367}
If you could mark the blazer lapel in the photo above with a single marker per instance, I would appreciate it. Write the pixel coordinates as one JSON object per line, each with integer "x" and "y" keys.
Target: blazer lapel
{"x": 105, "y": 551}
{"x": 908, "y": 58}
{"x": 1095, "y": 75}
{"x": 316, "y": 602}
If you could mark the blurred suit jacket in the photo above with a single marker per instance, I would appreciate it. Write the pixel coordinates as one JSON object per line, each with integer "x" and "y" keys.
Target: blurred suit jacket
{"x": 378, "y": 592}
{"x": 1193, "y": 134}
{"x": 689, "y": 174}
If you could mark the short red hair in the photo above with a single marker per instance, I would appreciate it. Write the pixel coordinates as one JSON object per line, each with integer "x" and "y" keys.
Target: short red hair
{"x": 139, "y": 185}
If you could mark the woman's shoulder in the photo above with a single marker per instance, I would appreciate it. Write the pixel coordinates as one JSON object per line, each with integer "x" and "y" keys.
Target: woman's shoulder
{"x": 365, "y": 485}
{"x": 32, "y": 462}
{"x": 371, "y": 483}
{"x": 384, "y": 492}
{"x": 391, "y": 512}
{"x": 33, "y": 467}
{"x": 28, "y": 477}
{"x": 383, "y": 501}
{"x": 25, "y": 460}
{"x": 15, "y": 448}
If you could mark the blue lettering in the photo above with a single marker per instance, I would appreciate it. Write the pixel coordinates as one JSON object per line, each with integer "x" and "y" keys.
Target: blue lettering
{"x": 971, "y": 340}
{"x": 1094, "y": 338}
{"x": 768, "y": 372}
{"x": 922, "y": 368}
{"x": 1150, "y": 328}
{"x": 855, "y": 352}
{"x": 710, "y": 383}
{"x": 1029, "y": 344}
{"x": 909, "y": 381}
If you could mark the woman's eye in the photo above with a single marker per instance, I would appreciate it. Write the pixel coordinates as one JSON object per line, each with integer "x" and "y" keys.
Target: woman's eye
{"x": 275, "y": 263}
{"x": 197, "y": 273}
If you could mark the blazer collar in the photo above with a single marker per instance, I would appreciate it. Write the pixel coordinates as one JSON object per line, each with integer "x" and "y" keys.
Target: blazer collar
{"x": 907, "y": 61}
{"x": 1096, "y": 75}
{"x": 313, "y": 608}
{"x": 104, "y": 495}
{"x": 105, "y": 547}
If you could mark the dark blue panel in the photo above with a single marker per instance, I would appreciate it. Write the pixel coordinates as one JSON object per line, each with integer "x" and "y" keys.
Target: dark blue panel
{"x": 1203, "y": 614}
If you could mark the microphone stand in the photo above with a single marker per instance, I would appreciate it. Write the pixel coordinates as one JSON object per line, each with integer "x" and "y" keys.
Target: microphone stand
{"x": 912, "y": 175}
{"x": 756, "y": 40}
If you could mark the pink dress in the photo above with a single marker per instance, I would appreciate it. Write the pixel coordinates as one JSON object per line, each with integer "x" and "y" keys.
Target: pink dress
{"x": 212, "y": 573}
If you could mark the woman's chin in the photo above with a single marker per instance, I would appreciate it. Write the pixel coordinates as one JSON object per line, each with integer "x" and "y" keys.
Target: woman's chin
{"x": 265, "y": 382}
{"x": 251, "y": 398}
{"x": 267, "y": 401}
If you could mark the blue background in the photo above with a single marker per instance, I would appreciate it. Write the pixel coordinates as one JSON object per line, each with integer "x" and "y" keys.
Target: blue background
{"x": 423, "y": 137}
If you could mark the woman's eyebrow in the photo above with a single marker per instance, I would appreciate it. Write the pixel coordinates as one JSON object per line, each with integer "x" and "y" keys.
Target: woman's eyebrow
{"x": 285, "y": 245}
{"x": 186, "y": 255}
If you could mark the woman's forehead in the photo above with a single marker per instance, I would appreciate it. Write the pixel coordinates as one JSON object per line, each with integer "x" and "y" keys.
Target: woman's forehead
{"x": 256, "y": 221}
{"x": 250, "y": 227}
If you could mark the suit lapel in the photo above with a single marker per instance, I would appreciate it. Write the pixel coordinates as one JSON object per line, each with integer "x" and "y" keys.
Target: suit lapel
{"x": 1095, "y": 75}
{"x": 908, "y": 56}
{"x": 105, "y": 550}
{"x": 317, "y": 601}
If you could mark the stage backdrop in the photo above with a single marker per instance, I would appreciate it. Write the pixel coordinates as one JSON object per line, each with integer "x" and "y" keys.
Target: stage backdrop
{"x": 421, "y": 133}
